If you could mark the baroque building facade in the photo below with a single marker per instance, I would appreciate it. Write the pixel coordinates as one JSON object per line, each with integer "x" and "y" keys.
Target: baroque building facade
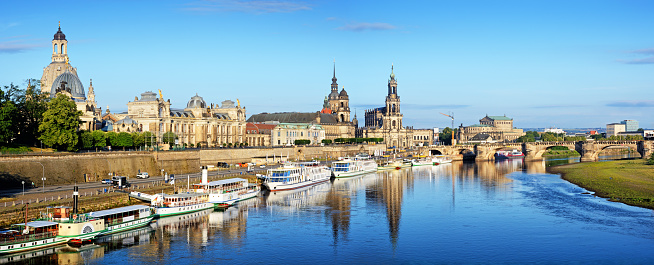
{"x": 334, "y": 118}
{"x": 59, "y": 77}
{"x": 198, "y": 123}
{"x": 498, "y": 128}
{"x": 386, "y": 122}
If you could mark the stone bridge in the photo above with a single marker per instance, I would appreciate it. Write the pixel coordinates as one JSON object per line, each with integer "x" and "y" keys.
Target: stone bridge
{"x": 589, "y": 150}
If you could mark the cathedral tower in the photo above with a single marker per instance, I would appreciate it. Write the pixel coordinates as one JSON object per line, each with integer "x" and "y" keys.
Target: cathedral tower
{"x": 393, "y": 118}
{"x": 60, "y": 63}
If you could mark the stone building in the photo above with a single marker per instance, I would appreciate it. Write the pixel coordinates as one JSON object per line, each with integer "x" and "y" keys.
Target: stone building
{"x": 59, "y": 77}
{"x": 198, "y": 123}
{"x": 287, "y": 133}
{"x": 386, "y": 122}
{"x": 258, "y": 134}
{"x": 334, "y": 117}
{"x": 499, "y": 128}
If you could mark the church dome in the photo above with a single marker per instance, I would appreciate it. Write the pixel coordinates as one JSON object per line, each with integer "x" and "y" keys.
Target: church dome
{"x": 196, "y": 102}
{"x": 333, "y": 94}
{"x": 343, "y": 93}
{"x": 72, "y": 83}
{"x": 59, "y": 35}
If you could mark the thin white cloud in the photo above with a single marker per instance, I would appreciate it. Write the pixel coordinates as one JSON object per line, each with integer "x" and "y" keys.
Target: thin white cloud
{"x": 648, "y": 60}
{"x": 644, "y": 51}
{"x": 363, "y": 26}
{"x": 247, "y": 6}
{"x": 17, "y": 44}
{"x": 8, "y": 26}
{"x": 632, "y": 104}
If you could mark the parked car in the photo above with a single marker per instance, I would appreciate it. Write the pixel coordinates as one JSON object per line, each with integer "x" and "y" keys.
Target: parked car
{"x": 262, "y": 166}
{"x": 143, "y": 175}
{"x": 106, "y": 181}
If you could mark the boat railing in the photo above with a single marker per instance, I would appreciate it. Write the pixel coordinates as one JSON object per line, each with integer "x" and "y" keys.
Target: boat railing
{"x": 25, "y": 238}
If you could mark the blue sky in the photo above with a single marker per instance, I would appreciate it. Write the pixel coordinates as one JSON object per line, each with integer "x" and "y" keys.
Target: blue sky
{"x": 566, "y": 64}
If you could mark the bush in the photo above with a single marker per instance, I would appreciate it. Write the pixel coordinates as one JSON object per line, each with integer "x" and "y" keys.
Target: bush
{"x": 650, "y": 161}
{"x": 302, "y": 142}
{"x": 326, "y": 141}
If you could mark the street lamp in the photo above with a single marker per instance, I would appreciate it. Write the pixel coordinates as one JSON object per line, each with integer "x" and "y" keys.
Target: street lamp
{"x": 43, "y": 189}
{"x": 23, "y": 182}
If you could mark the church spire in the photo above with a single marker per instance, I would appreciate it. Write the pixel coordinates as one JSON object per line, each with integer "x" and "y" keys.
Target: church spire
{"x": 334, "y": 86}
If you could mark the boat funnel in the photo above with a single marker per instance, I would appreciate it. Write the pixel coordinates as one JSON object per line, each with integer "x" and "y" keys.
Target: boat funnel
{"x": 75, "y": 197}
{"x": 204, "y": 175}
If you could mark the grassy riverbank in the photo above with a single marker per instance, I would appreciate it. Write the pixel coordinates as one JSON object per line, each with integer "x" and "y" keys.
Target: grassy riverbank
{"x": 627, "y": 181}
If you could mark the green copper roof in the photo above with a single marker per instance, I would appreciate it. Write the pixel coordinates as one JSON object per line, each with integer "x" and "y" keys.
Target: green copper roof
{"x": 500, "y": 118}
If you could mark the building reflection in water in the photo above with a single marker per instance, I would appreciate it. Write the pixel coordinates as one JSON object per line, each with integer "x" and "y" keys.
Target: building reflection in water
{"x": 295, "y": 200}
{"x": 388, "y": 192}
{"x": 339, "y": 202}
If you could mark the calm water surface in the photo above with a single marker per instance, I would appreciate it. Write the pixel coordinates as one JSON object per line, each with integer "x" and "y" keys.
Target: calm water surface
{"x": 504, "y": 212}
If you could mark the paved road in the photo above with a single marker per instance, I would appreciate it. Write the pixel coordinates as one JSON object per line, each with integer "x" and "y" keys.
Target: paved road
{"x": 99, "y": 185}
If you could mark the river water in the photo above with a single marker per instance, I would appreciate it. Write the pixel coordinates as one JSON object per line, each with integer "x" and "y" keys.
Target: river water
{"x": 490, "y": 212}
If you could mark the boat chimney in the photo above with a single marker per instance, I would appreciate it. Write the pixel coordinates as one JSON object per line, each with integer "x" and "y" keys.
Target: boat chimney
{"x": 75, "y": 195}
{"x": 204, "y": 174}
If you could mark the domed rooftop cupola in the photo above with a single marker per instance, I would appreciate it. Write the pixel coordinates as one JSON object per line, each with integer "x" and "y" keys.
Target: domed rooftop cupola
{"x": 70, "y": 82}
{"x": 196, "y": 102}
{"x": 343, "y": 93}
{"x": 59, "y": 35}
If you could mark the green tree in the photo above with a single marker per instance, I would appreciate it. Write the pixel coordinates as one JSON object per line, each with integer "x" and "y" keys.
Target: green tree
{"x": 86, "y": 138}
{"x": 31, "y": 106}
{"x": 8, "y": 115}
{"x": 124, "y": 139}
{"x": 137, "y": 139}
{"x": 326, "y": 141}
{"x": 149, "y": 139}
{"x": 112, "y": 138}
{"x": 446, "y": 135}
{"x": 60, "y": 124}
{"x": 99, "y": 139}
{"x": 169, "y": 138}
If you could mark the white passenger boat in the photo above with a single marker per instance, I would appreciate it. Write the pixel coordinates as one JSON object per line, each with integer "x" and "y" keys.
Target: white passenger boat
{"x": 395, "y": 164}
{"x": 350, "y": 167}
{"x": 58, "y": 225}
{"x": 166, "y": 204}
{"x": 424, "y": 161}
{"x": 225, "y": 192}
{"x": 441, "y": 159}
{"x": 296, "y": 175}
{"x": 124, "y": 218}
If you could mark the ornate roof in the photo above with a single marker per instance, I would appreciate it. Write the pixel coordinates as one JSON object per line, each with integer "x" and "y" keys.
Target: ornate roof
{"x": 227, "y": 104}
{"x": 343, "y": 93}
{"x": 72, "y": 82}
{"x": 333, "y": 94}
{"x": 293, "y": 117}
{"x": 499, "y": 118}
{"x": 196, "y": 102}
{"x": 148, "y": 96}
{"x": 59, "y": 35}
{"x": 127, "y": 120}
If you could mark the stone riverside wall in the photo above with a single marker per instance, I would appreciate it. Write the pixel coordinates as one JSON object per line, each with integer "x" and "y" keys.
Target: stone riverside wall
{"x": 61, "y": 169}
